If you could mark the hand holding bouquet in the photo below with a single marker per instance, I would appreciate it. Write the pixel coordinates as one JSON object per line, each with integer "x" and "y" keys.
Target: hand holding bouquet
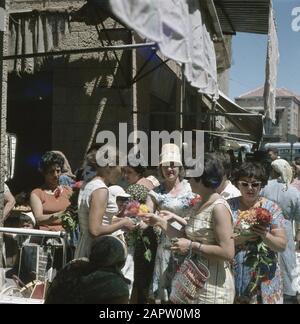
{"x": 258, "y": 255}
{"x": 250, "y": 218}
{"x": 135, "y": 209}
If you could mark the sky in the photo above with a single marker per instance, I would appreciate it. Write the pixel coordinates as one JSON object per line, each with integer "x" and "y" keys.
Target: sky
{"x": 249, "y": 54}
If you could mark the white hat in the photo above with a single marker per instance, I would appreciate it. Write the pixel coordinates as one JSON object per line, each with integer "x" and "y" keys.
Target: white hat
{"x": 31, "y": 216}
{"x": 170, "y": 153}
{"x": 117, "y": 191}
{"x": 113, "y": 193}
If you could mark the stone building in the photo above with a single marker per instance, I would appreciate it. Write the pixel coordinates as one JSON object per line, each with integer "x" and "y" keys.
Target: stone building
{"x": 62, "y": 101}
{"x": 287, "y": 126}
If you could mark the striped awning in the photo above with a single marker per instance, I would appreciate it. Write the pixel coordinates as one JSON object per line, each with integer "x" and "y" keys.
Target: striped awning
{"x": 249, "y": 16}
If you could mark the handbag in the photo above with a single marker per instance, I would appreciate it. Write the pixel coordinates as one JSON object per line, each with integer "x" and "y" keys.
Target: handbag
{"x": 188, "y": 281}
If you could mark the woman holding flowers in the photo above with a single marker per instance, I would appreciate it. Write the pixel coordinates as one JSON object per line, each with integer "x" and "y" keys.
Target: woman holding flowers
{"x": 208, "y": 234}
{"x": 259, "y": 223}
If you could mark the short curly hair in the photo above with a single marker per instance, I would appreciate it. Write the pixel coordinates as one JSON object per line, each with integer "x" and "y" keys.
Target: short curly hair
{"x": 250, "y": 170}
{"x": 50, "y": 159}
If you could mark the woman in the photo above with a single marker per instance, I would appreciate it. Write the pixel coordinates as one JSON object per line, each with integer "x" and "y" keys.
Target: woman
{"x": 49, "y": 202}
{"x": 93, "y": 219}
{"x": 172, "y": 199}
{"x": 67, "y": 178}
{"x": 135, "y": 175}
{"x": 280, "y": 190}
{"x": 97, "y": 281}
{"x": 209, "y": 234}
{"x": 143, "y": 269}
{"x": 249, "y": 179}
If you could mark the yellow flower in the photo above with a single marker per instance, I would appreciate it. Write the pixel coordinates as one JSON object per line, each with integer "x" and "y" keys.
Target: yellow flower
{"x": 143, "y": 209}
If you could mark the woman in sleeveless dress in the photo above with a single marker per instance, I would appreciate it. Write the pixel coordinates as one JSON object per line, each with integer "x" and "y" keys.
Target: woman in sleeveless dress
{"x": 93, "y": 220}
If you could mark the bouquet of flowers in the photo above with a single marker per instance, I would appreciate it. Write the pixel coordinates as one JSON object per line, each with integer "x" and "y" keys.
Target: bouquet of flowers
{"x": 257, "y": 257}
{"x": 134, "y": 209}
{"x": 247, "y": 219}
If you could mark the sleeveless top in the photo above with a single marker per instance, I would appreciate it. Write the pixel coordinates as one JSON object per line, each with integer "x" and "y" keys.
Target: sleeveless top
{"x": 86, "y": 239}
{"x": 219, "y": 288}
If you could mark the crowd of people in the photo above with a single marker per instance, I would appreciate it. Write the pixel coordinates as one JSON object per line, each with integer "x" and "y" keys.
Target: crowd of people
{"x": 199, "y": 215}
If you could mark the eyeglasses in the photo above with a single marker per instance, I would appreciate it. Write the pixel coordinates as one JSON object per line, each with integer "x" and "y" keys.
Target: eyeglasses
{"x": 245, "y": 184}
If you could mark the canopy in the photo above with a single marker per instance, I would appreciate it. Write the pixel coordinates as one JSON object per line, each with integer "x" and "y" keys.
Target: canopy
{"x": 246, "y": 122}
{"x": 177, "y": 26}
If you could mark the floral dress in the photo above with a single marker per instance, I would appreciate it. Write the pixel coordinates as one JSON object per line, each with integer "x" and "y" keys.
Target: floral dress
{"x": 178, "y": 205}
{"x": 270, "y": 290}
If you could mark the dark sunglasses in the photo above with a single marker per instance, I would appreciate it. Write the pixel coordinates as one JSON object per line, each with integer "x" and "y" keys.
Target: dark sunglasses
{"x": 245, "y": 184}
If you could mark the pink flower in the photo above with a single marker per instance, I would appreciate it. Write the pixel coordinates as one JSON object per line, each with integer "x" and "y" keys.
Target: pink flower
{"x": 195, "y": 200}
{"x": 132, "y": 208}
{"x": 77, "y": 185}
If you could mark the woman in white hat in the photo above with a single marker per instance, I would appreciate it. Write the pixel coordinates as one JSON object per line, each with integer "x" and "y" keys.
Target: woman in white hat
{"x": 172, "y": 199}
{"x": 208, "y": 234}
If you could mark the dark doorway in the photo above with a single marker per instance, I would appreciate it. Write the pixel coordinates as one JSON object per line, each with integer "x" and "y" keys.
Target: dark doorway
{"x": 29, "y": 116}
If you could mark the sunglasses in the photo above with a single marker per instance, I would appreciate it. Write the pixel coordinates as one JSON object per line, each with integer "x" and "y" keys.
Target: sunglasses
{"x": 245, "y": 184}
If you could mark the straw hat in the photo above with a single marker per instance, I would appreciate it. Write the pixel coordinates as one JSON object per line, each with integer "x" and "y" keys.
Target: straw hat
{"x": 170, "y": 153}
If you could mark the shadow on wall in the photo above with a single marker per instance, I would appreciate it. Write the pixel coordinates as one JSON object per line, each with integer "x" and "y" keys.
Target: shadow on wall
{"x": 58, "y": 106}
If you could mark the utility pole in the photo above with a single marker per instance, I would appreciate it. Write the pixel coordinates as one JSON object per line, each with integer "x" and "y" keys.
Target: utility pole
{"x": 3, "y": 106}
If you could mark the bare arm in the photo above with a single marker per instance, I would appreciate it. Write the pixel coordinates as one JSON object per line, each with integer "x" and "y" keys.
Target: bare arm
{"x": 275, "y": 239}
{"x": 37, "y": 209}
{"x": 97, "y": 210}
{"x": 224, "y": 249}
{"x": 223, "y": 229}
{"x": 9, "y": 204}
{"x": 163, "y": 220}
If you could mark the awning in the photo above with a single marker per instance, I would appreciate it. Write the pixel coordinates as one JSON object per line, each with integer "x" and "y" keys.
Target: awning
{"x": 179, "y": 29}
{"x": 243, "y": 16}
{"x": 246, "y": 122}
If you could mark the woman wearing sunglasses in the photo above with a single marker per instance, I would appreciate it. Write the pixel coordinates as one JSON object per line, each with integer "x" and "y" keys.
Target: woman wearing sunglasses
{"x": 249, "y": 179}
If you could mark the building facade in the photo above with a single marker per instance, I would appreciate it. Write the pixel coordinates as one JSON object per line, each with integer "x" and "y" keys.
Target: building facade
{"x": 61, "y": 102}
{"x": 287, "y": 126}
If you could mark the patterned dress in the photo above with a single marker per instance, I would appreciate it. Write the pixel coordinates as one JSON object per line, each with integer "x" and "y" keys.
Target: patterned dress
{"x": 219, "y": 288}
{"x": 271, "y": 289}
{"x": 179, "y": 205}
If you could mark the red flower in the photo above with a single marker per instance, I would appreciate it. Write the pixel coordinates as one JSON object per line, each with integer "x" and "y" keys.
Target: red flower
{"x": 263, "y": 216}
{"x": 195, "y": 200}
